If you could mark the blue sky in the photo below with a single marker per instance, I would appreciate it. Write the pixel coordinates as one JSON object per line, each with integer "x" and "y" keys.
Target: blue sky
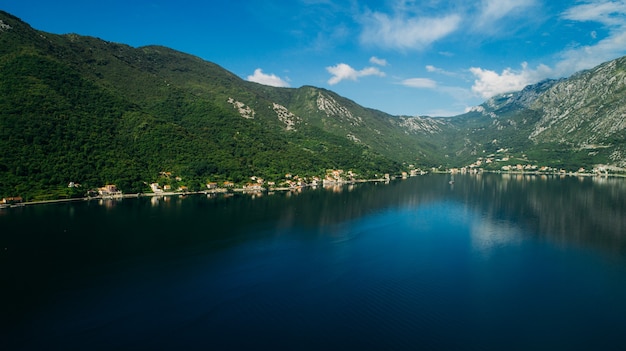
{"x": 429, "y": 57}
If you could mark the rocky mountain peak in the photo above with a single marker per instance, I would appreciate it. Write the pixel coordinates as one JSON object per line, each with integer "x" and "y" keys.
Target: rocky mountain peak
{"x": 587, "y": 108}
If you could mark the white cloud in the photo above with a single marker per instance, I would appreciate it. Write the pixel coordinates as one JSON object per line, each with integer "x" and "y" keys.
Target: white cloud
{"x": 424, "y": 83}
{"x": 585, "y": 57}
{"x": 606, "y": 12}
{"x": 444, "y": 112}
{"x": 407, "y": 27}
{"x": 493, "y": 10}
{"x": 343, "y": 71}
{"x": 403, "y": 32}
{"x": 267, "y": 79}
{"x": 489, "y": 83}
{"x": 461, "y": 95}
{"x": 378, "y": 61}
{"x": 504, "y": 18}
{"x": 612, "y": 14}
{"x": 433, "y": 69}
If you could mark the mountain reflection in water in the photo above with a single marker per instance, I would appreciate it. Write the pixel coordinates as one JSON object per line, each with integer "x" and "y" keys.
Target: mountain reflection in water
{"x": 489, "y": 262}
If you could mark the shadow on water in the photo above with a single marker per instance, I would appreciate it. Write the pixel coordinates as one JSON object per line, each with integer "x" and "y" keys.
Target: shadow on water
{"x": 584, "y": 211}
{"x": 50, "y": 251}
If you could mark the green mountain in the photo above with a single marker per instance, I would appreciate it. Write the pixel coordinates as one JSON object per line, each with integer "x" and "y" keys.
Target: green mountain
{"x": 567, "y": 123}
{"x": 81, "y": 109}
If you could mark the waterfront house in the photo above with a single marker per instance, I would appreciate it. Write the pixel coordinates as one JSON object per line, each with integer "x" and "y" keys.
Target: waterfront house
{"x": 12, "y": 200}
{"x": 253, "y": 187}
{"x": 156, "y": 188}
{"x": 109, "y": 190}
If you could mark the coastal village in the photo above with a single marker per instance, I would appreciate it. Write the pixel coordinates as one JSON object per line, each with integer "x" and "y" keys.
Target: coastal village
{"x": 502, "y": 162}
{"x": 335, "y": 178}
{"x": 332, "y": 179}
{"x": 170, "y": 184}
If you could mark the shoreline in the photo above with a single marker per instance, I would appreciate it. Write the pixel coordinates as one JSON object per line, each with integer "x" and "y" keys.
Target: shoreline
{"x": 557, "y": 174}
{"x": 174, "y": 193}
{"x": 273, "y": 189}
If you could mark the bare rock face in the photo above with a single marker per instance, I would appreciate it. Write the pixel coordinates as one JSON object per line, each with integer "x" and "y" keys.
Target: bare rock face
{"x": 588, "y": 108}
{"x": 332, "y": 108}
{"x": 427, "y": 125}
{"x": 287, "y": 117}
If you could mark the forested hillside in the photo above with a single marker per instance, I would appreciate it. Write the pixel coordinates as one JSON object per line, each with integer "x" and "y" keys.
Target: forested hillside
{"x": 83, "y": 110}
{"x": 79, "y": 109}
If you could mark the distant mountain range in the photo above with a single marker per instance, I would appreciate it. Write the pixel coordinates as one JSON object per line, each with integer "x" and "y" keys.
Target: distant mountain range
{"x": 80, "y": 109}
{"x": 567, "y": 123}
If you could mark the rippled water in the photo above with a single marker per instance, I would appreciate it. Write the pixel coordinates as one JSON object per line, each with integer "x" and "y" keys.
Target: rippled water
{"x": 490, "y": 263}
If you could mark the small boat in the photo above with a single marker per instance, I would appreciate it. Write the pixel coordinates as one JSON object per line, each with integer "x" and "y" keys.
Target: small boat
{"x": 451, "y": 180}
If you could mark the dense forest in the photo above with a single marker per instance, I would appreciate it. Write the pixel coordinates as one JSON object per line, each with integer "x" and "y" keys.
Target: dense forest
{"x": 72, "y": 113}
{"x": 80, "y": 110}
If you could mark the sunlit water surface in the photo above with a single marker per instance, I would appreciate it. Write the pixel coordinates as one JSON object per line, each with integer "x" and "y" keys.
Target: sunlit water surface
{"x": 489, "y": 263}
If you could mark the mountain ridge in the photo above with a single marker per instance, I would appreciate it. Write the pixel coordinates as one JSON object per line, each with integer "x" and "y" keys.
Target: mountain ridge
{"x": 78, "y": 108}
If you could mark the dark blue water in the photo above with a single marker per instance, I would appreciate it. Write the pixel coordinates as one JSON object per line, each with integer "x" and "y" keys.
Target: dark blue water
{"x": 491, "y": 263}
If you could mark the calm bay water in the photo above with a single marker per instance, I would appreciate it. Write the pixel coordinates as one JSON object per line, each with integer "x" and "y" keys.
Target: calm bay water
{"x": 490, "y": 263}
